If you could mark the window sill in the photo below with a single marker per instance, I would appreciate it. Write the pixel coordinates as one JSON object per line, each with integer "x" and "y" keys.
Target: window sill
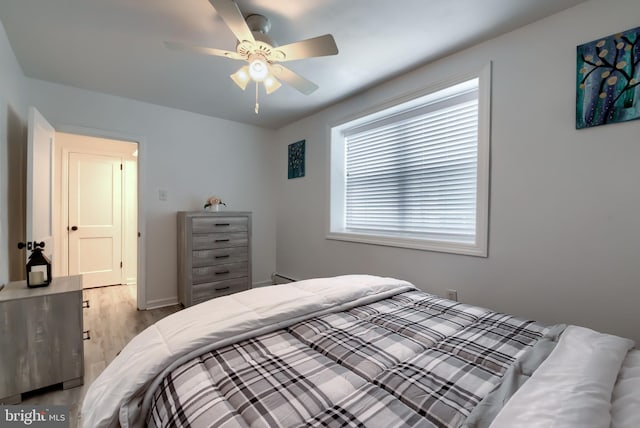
{"x": 412, "y": 243}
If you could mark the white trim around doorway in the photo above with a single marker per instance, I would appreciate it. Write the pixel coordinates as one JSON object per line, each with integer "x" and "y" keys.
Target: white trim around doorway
{"x": 141, "y": 141}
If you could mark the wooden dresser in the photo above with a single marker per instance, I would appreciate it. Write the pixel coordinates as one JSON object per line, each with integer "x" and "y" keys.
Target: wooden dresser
{"x": 214, "y": 255}
{"x": 40, "y": 337}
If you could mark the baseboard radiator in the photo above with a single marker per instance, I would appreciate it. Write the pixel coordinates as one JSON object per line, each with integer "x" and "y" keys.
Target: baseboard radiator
{"x": 276, "y": 278}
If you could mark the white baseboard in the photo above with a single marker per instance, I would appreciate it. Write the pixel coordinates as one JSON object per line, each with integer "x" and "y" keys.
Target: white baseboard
{"x": 262, "y": 284}
{"x": 277, "y": 278}
{"x": 160, "y": 303}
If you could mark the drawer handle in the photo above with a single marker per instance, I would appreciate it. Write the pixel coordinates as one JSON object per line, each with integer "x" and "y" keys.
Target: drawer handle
{"x": 226, "y": 256}
{"x": 85, "y": 304}
{"x": 222, "y": 240}
{"x": 222, "y": 224}
{"x": 86, "y": 335}
{"x": 222, "y": 272}
{"x": 222, "y": 288}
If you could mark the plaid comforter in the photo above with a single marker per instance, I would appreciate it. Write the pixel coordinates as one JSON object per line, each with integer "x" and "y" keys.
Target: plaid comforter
{"x": 413, "y": 359}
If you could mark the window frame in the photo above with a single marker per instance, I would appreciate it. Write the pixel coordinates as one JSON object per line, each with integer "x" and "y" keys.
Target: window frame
{"x": 337, "y": 158}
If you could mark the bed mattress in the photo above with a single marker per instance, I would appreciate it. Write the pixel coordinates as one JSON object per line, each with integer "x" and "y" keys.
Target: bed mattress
{"x": 413, "y": 359}
{"x": 367, "y": 351}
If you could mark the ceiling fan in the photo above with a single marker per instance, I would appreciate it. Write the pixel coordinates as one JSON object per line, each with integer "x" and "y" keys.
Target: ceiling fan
{"x": 262, "y": 54}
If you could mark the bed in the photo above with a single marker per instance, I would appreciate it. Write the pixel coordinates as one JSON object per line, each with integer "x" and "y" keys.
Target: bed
{"x": 363, "y": 351}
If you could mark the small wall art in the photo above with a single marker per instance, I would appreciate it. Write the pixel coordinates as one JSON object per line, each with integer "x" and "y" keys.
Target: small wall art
{"x": 296, "y": 159}
{"x": 608, "y": 75}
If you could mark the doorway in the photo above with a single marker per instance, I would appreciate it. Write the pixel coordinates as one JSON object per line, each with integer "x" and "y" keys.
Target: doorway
{"x": 97, "y": 209}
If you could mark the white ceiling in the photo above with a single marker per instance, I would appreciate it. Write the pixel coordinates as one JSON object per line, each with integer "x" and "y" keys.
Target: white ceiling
{"x": 116, "y": 46}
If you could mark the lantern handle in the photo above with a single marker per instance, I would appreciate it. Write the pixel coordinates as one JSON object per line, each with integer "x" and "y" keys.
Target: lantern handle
{"x": 30, "y": 245}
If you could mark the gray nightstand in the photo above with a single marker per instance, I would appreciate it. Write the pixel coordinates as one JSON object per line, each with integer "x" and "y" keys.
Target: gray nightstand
{"x": 40, "y": 337}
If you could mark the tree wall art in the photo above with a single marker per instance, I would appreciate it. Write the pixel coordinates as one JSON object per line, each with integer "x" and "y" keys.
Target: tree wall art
{"x": 608, "y": 77}
{"x": 296, "y": 159}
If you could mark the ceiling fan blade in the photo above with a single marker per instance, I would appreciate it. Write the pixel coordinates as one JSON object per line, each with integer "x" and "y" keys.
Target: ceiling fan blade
{"x": 300, "y": 83}
{"x": 202, "y": 50}
{"x": 231, "y": 15}
{"x": 317, "y": 46}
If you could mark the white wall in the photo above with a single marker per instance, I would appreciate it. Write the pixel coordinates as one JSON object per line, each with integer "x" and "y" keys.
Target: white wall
{"x": 13, "y": 114}
{"x": 564, "y": 229}
{"x": 564, "y": 242}
{"x": 189, "y": 155}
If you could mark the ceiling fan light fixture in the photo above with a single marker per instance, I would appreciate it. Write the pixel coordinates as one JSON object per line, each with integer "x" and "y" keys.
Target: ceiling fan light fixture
{"x": 241, "y": 77}
{"x": 271, "y": 84}
{"x": 258, "y": 68}
{"x": 259, "y": 51}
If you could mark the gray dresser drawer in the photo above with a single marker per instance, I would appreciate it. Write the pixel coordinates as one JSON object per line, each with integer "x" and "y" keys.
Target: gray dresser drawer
{"x": 219, "y": 272}
{"x": 202, "y": 258}
{"x": 220, "y": 240}
{"x": 203, "y": 292}
{"x": 220, "y": 224}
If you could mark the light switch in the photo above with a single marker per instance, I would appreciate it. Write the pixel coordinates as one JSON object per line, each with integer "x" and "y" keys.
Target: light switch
{"x": 163, "y": 194}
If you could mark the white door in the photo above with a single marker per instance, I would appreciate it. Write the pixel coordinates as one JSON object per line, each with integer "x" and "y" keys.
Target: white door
{"x": 40, "y": 145}
{"x": 95, "y": 218}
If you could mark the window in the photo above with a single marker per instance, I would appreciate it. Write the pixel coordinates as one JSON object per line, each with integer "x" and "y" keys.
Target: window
{"x": 415, "y": 174}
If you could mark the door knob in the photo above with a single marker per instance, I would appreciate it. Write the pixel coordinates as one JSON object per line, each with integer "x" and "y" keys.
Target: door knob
{"x": 74, "y": 227}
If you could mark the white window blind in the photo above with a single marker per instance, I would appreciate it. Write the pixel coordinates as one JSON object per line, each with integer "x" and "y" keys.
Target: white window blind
{"x": 414, "y": 174}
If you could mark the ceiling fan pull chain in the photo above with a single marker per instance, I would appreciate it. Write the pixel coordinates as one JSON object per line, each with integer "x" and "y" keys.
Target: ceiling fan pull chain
{"x": 257, "y": 105}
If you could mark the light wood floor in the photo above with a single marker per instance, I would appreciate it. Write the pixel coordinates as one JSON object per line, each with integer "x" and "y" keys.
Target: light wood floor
{"x": 112, "y": 320}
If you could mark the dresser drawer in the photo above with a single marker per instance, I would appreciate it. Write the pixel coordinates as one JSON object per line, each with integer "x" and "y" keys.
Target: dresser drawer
{"x": 202, "y": 292}
{"x": 219, "y": 272}
{"x": 220, "y": 240}
{"x": 220, "y": 224}
{"x": 220, "y": 256}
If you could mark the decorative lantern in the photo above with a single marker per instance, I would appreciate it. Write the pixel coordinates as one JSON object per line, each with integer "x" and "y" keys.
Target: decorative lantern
{"x": 38, "y": 268}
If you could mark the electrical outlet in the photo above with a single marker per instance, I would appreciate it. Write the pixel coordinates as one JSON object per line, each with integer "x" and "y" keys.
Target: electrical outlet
{"x": 163, "y": 194}
{"x": 452, "y": 294}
